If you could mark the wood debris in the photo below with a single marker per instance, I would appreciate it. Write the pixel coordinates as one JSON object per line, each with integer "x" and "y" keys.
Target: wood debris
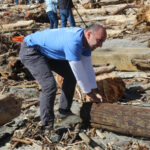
{"x": 122, "y": 79}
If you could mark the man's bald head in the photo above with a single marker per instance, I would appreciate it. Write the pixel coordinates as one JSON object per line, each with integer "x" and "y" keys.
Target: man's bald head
{"x": 95, "y": 35}
{"x": 95, "y": 28}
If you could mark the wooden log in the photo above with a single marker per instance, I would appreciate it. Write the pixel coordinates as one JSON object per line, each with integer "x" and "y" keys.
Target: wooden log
{"x": 19, "y": 24}
{"x": 122, "y": 119}
{"x": 105, "y": 9}
{"x": 120, "y": 57}
{"x": 10, "y": 107}
{"x": 38, "y": 15}
{"x": 107, "y": 2}
{"x": 118, "y": 19}
{"x": 89, "y": 11}
{"x": 104, "y": 69}
{"x": 109, "y": 86}
{"x": 123, "y": 8}
{"x": 130, "y": 75}
{"x": 141, "y": 64}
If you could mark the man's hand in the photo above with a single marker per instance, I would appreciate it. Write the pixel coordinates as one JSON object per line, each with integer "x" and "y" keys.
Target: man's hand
{"x": 95, "y": 97}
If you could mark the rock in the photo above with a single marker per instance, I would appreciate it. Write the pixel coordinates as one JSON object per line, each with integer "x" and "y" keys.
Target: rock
{"x": 10, "y": 107}
{"x": 24, "y": 92}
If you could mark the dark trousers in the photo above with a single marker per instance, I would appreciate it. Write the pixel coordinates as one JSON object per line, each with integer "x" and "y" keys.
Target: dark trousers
{"x": 41, "y": 68}
{"x": 66, "y": 14}
{"x": 53, "y": 19}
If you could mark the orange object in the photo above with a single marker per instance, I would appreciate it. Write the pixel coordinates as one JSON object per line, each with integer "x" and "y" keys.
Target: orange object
{"x": 18, "y": 38}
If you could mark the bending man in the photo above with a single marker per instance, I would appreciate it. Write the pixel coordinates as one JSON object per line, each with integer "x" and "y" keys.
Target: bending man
{"x": 67, "y": 51}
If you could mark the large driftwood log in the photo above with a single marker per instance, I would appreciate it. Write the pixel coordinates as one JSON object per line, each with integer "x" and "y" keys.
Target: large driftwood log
{"x": 105, "y": 2}
{"x": 122, "y": 58}
{"x": 10, "y": 107}
{"x": 105, "y": 9}
{"x": 122, "y": 119}
{"x": 119, "y": 19}
{"x": 19, "y": 24}
{"x": 110, "y": 87}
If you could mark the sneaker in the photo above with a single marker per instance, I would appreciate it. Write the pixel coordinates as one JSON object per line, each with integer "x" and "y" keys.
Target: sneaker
{"x": 63, "y": 113}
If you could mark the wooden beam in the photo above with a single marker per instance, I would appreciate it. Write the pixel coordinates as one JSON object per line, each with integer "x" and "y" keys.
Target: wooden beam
{"x": 122, "y": 119}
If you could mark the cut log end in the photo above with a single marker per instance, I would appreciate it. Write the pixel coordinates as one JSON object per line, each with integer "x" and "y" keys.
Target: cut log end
{"x": 10, "y": 107}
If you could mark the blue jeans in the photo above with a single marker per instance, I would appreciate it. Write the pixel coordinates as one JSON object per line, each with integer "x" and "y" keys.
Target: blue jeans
{"x": 53, "y": 19}
{"x": 66, "y": 14}
{"x": 17, "y": 2}
{"x": 27, "y": 2}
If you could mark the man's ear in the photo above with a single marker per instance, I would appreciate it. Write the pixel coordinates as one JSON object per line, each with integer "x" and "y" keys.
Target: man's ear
{"x": 89, "y": 34}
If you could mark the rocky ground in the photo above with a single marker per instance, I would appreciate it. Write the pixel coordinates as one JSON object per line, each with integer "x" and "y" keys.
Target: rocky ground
{"x": 26, "y": 125}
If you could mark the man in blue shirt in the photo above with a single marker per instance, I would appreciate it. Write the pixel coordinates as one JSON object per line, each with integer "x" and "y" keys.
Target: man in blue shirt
{"x": 67, "y": 51}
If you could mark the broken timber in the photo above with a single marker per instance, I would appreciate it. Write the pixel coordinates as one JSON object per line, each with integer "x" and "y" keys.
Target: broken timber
{"x": 10, "y": 107}
{"x": 122, "y": 119}
{"x": 110, "y": 87}
{"x": 122, "y": 58}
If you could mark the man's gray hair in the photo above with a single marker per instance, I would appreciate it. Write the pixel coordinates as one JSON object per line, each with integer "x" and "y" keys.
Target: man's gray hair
{"x": 94, "y": 27}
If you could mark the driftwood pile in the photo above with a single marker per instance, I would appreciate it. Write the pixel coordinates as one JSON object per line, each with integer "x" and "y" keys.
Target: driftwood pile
{"x": 110, "y": 86}
{"x": 143, "y": 16}
{"x": 127, "y": 89}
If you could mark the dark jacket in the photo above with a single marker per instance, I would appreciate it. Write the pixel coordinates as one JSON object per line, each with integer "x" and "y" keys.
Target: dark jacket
{"x": 65, "y": 4}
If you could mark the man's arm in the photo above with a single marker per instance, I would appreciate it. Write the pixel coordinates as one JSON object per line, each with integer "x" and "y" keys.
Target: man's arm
{"x": 94, "y": 94}
{"x": 85, "y": 77}
{"x": 87, "y": 63}
{"x": 81, "y": 76}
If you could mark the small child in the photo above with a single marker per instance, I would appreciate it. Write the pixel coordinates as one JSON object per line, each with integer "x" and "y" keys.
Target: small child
{"x": 51, "y": 10}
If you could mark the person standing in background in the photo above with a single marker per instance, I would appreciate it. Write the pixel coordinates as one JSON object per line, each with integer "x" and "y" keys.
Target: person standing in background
{"x": 27, "y": 2}
{"x": 51, "y": 10}
{"x": 65, "y": 10}
{"x": 17, "y": 2}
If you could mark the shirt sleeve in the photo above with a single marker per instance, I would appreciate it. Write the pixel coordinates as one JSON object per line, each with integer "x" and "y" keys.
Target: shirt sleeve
{"x": 84, "y": 74}
{"x": 73, "y": 51}
{"x": 87, "y": 63}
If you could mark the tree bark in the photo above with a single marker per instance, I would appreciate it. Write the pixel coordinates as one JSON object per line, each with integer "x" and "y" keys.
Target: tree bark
{"x": 122, "y": 119}
{"x": 10, "y": 107}
{"x": 19, "y": 24}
